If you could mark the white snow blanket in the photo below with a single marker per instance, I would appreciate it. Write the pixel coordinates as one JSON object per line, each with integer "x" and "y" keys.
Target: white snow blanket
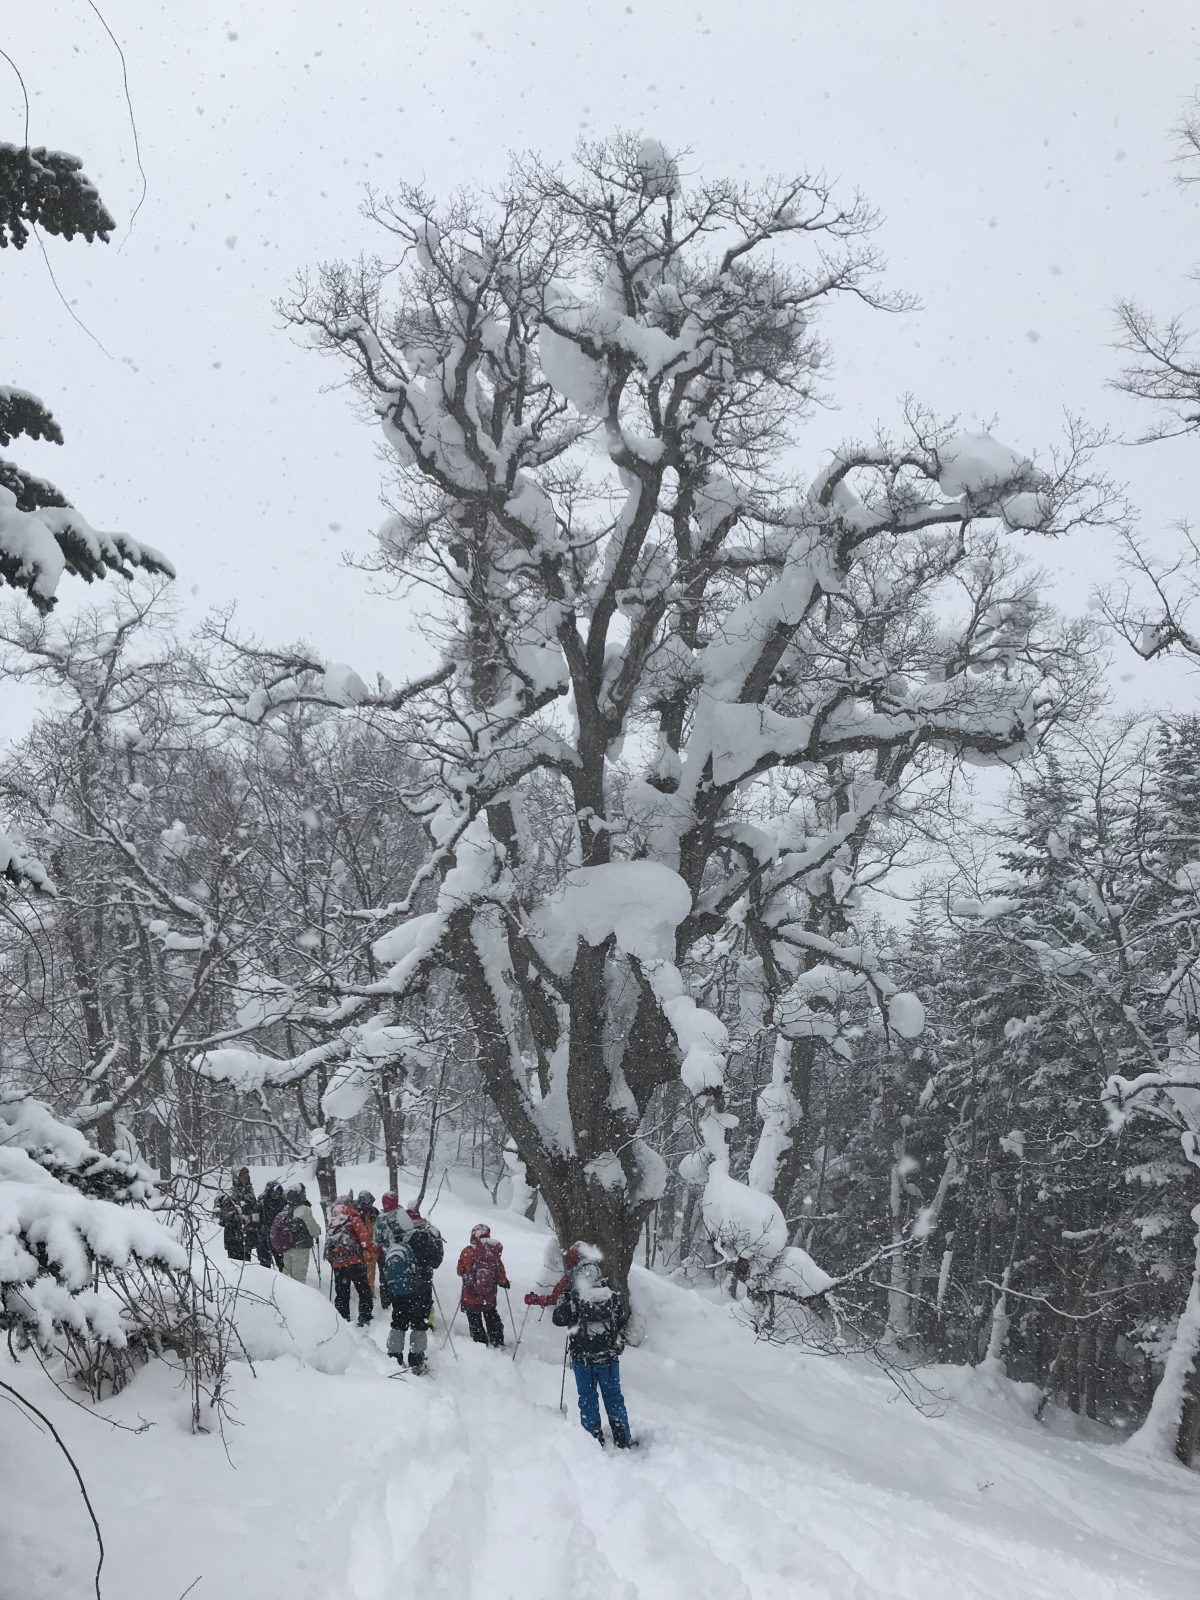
{"x": 766, "y": 1475}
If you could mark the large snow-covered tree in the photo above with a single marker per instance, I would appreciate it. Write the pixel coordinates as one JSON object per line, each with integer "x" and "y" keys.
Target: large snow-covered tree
{"x": 681, "y": 684}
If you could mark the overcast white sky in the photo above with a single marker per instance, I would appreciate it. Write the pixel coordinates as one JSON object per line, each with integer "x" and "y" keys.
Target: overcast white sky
{"x": 1021, "y": 154}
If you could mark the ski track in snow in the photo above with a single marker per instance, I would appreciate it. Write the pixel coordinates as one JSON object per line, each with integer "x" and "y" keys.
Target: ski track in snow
{"x": 766, "y": 1475}
{"x": 714, "y": 1507}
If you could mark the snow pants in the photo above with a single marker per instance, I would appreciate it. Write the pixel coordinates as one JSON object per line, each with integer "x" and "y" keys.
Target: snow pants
{"x": 486, "y": 1325}
{"x": 237, "y": 1245}
{"x": 295, "y": 1264}
{"x": 606, "y": 1380}
{"x": 410, "y": 1315}
{"x": 343, "y": 1277}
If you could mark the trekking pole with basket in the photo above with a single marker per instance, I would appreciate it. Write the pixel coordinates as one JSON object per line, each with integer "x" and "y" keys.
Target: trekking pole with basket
{"x": 453, "y": 1320}
{"x": 437, "y": 1302}
{"x": 512, "y": 1321}
{"x": 524, "y": 1320}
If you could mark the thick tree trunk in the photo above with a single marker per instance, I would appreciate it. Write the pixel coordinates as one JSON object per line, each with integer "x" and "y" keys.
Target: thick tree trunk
{"x": 326, "y": 1175}
{"x": 586, "y": 1213}
{"x": 1162, "y": 1432}
{"x": 391, "y": 1079}
{"x": 802, "y": 1057}
{"x": 1187, "y": 1440}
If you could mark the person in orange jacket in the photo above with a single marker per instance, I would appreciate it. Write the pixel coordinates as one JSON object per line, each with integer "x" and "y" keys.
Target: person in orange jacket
{"x": 364, "y": 1204}
{"x": 347, "y": 1245}
{"x": 482, "y": 1272}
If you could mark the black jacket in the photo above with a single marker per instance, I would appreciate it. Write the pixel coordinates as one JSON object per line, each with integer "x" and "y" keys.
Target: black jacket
{"x": 427, "y": 1248}
{"x": 597, "y": 1326}
{"x": 272, "y": 1203}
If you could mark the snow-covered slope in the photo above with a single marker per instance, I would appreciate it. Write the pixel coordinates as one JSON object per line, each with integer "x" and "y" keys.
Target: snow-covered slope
{"x": 766, "y": 1475}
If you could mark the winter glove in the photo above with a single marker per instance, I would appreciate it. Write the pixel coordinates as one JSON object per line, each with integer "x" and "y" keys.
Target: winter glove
{"x": 532, "y": 1299}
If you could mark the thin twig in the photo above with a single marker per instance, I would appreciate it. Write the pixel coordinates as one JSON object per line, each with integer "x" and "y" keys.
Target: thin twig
{"x": 21, "y": 1400}
{"x": 1041, "y": 1300}
{"x": 137, "y": 149}
{"x": 70, "y": 310}
{"x": 24, "y": 91}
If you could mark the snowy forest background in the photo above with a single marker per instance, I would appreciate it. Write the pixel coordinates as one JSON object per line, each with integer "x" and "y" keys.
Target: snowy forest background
{"x": 749, "y": 865}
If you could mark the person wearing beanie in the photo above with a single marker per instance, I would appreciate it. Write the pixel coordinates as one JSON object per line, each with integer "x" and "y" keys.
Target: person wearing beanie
{"x": 367, "y": 1209}
{"x": 595, "y": 1316}
{"x": 294, "y": 1233}
{"x": 347, "y": 1245}
{"x": 482, "y": 1272}
{"x": 410, "y": 1250}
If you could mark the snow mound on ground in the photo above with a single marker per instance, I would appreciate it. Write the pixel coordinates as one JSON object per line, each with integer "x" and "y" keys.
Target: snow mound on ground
{"x": 768, "y": 1473}
{"x": 276, "y": 1316}
{"x": 985, "y": 1388}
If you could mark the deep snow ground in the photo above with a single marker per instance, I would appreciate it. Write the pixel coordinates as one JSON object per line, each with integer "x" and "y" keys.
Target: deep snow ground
{"x": 766, "y": 1474}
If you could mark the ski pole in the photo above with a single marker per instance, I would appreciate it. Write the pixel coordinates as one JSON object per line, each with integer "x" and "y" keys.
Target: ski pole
{"x": 442, "y": 1314}
{"x": 562, "y": 1393}
{"x": 512, "y": 1321}
{"x": 524, "y": 1320}
{"x": 453, "y": 1320}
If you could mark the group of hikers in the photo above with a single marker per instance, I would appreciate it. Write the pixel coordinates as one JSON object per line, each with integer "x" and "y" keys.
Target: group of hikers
{"x": 278, "y": 1227}
{"x": 395, "y": 1251}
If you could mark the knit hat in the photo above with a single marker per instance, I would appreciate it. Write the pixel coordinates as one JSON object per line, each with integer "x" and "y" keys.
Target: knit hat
{"x": 481, "y": 1231}
{"x": 390, "y": 1201}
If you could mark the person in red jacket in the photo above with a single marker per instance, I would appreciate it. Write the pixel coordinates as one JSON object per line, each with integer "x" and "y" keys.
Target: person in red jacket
{"x": 553, "y": 1280}
{"x": 347, "y": 1245}
{"x": 482, "y": 1272}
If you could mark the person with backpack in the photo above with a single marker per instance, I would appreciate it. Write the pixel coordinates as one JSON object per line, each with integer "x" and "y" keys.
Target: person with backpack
{"x": 410, "y": 1250}
{"x": 237, "y": 1212}
{"x": 482, "y": 1273}
{"x": 347, "y": 1245}
{"x": 367, "y": 1209}
{"x": 596, "y": 1317}
{"x": 294, "y": 1233}
{"x": 551, "y": 1281}
{"x": 270, "y": 1206}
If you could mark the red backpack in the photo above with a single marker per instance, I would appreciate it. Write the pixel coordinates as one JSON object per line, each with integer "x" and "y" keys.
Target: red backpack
{"x": 343, "y": 1243}
{"x": 481, "y": 1281}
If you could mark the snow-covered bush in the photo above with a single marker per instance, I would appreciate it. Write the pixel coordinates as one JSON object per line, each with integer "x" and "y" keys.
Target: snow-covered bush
{"x": 74, "y": 1224}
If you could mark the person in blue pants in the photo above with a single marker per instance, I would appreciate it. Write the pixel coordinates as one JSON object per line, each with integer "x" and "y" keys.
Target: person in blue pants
{"x": 596, "y": 1316}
